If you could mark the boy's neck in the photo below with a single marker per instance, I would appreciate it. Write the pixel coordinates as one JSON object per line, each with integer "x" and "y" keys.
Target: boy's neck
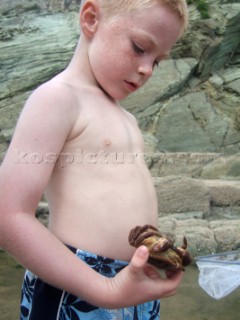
{"x": 79, "y": 68}
{"x": 79, "y": 71}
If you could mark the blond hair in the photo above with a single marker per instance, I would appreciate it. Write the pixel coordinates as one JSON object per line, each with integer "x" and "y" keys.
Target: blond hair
{"x": 113, "y": 8}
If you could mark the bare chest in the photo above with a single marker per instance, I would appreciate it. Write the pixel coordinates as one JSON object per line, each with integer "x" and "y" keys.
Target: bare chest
{"x": 108, "y": 129}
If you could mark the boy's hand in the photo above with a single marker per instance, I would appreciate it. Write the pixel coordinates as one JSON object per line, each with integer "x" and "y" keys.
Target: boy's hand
{"x": 140, "y": 282}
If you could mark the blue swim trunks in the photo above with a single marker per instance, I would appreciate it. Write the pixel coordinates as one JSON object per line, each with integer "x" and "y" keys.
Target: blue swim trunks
{"x": 41, "y": 301}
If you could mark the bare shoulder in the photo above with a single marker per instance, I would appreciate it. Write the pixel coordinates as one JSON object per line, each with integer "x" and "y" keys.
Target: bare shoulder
{"x": 45, "y": 124}
{"x": 54, "y": 96}
{"x": 130, "y": 116}
{"x": 54, "y": 102}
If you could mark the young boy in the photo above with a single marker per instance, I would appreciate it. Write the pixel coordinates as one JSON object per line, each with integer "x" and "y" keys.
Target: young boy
{"x": 74, "y": 142}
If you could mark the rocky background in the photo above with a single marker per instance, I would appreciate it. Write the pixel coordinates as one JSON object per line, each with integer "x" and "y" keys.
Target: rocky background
{"x": 189, "y": 112}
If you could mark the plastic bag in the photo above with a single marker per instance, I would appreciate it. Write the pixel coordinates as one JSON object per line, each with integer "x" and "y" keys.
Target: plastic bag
{"x": 219, "y": 273}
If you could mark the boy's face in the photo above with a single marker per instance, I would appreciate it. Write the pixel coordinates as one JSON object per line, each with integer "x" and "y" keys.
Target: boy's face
{"x": 124, "y": 51}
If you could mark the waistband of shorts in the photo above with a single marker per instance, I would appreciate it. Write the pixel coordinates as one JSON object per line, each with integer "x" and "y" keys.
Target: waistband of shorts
{"x": 85, "y": 254}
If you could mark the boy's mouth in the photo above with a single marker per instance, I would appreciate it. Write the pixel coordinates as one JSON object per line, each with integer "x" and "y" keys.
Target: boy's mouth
{"x": 131, "y": 85}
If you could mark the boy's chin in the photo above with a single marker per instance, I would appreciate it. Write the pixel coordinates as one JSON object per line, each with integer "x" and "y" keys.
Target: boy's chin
{"x": 118, "y": 96}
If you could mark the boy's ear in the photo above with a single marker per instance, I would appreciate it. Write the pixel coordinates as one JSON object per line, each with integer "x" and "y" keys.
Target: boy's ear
{"x": 89, "y": 17}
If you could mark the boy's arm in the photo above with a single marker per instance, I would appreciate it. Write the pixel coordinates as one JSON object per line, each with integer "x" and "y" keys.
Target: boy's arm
{"x": 43, "y": 127}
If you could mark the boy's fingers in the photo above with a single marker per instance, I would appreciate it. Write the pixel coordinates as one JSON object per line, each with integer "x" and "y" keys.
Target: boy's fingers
{"x": 175, "y": 276}
{"x": 148, "y": 279}
{"x": 173, "y": 282}
{"x": 169, "y": 294}
{"x": 139, "y": 259}
{"x": 152, "y": 272}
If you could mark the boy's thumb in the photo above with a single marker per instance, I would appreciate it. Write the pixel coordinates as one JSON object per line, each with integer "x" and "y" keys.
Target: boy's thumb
{"x": 139, "y": 258}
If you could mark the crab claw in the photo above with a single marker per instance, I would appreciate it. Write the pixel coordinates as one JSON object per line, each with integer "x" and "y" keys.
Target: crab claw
{"x": 182, "y": 251}
{"x": 138, "y": 234}
{"x": 161, "y": 245}
{"x": 162, "y": 253}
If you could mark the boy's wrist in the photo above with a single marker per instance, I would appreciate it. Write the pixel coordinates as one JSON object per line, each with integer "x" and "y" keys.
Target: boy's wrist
{"x": 111, "y": 299}
{"x": 101, "y": 292}
{"x": 108, "y": 294}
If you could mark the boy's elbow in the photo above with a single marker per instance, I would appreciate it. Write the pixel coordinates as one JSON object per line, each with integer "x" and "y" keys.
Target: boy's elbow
{"x": 9, "y": 220}
{"x": 6, "y": 222}
{"x": 3, "y": 230}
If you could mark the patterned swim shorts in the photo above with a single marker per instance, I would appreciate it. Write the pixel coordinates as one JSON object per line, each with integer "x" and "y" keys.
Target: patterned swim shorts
{"x": 41, "y": 301}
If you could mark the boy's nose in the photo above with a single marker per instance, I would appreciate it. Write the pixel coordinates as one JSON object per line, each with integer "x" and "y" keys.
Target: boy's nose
{"x": 145, "y": 70}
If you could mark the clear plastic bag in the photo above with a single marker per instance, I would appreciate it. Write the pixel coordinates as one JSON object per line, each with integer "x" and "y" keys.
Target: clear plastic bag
{"x": 219, "y": 273}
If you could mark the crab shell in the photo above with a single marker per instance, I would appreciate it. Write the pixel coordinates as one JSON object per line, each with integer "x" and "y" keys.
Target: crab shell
{"x": 162, "y": 253}
{"x": 169, "y": 259}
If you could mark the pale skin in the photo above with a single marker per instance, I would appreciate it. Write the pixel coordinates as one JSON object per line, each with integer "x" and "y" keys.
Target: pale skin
{"x": 100, "y": 187}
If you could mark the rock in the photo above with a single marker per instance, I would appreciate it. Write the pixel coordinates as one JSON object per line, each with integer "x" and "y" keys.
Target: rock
{"x": 234, "y": 86}
{"x": 200, "y": 237}
{"x": 188, "y": 164}
{"x": 32, "y": 58}
{"x": 224, "y": 193}
{"x": 45, "y": 44}
{"x": 42, "y": 212}
{"x": 204, "y": 129}
{"x": 19, "y": 6}
{"x": 227, "y": 233}
{"x": 225, "y": 167}
{"x": 181, "y": 194}
{"x": 229, "y": 75}
{"x": 212, "y": 223}
{"x": 167, "y": 80}
{"x": 217, "y": 38}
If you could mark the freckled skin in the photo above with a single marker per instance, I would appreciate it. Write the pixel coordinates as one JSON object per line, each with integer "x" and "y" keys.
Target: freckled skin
{"x": 124, "y": 193}
{"x": 100, "y": 187}
{"x": 122, "y": 64}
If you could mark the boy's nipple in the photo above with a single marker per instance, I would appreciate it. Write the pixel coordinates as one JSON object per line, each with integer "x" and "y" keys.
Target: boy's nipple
{"x": 107, "y": 143}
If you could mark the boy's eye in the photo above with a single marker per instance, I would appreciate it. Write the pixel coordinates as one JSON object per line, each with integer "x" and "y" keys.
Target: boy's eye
{"x": 156, "y": 63}
{"x": 137, "y": 48}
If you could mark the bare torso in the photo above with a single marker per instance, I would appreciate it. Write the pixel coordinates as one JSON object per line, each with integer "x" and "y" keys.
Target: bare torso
{"x": 100, "y": 187}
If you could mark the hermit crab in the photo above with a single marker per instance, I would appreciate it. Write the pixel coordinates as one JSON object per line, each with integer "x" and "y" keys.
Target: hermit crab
{"x": 162, "y": 252}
